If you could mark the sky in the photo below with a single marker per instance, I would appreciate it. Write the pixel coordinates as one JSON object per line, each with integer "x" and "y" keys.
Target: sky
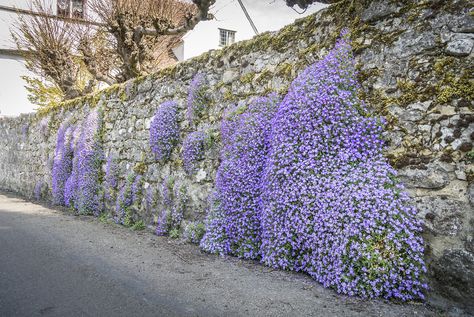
{"x": 268, "y": 15}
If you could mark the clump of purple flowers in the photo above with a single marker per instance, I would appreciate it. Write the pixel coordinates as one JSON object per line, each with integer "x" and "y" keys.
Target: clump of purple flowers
{"x": 328, "y": 203}
{"x": 150, "y": 201}
{"x": 175, "y": 200}
{"x": 193, "y": 150}
{"x": 128, "y": 200}
{"x": 83, "y": 187}
{"x": 331, "y": 207}
{"x": 215, "y": 239}
{"x": 239, "y": 179}
{"x": 197, "y": 99}
{"x": 62, "y": 163}
{"x": 164, "y": 130}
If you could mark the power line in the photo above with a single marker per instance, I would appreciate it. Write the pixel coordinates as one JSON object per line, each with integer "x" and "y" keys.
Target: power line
{"x": 248, "y": 16}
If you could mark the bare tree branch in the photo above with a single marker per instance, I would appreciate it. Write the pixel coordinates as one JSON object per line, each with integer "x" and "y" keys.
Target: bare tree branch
{"x": 303, "y": 4}
{"x": 48, "y": 48}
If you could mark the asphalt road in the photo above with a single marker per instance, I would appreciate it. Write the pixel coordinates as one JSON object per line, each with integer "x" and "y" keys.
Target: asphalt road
{"x": 56, "y": 264}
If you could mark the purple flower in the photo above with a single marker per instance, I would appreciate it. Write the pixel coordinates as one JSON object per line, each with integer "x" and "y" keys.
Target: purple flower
{"x": 309, "y": 190}
{"x": 62, "y": 163}
{"x": 331, "y": 205}
{"x": 193, "y": 150}
{"x": 164, "y": 130}
{"x": 175, "y": 200}
{"x": 82, "y": 189}
{"x": 239, "y": 180}
{"x": 128, "y": 200}
{"x": 197, "y": 100}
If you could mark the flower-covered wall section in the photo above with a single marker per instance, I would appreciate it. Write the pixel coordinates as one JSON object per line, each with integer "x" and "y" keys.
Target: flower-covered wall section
{"x": 160, "y": 151}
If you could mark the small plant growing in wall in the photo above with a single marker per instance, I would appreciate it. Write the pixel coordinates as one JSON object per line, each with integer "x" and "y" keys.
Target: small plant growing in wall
{"x": 128, "y": 201}
{"x": 193, "y": 150}
{"x": 164, "y": 130}
{"x": 175, "y": 200}
{"x": 197, "y": 99}
{"x": 194, "y": 231}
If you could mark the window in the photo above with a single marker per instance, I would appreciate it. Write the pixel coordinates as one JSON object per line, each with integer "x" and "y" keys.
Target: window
{"x": 226, "y": 37}
{"x": 71, "y": 8}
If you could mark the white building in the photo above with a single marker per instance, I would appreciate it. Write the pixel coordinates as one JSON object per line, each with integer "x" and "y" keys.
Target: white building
{"x": 230, "y": 25}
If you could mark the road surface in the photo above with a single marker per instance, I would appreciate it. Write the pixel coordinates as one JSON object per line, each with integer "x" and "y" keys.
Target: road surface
{"x": 53, "y": 263}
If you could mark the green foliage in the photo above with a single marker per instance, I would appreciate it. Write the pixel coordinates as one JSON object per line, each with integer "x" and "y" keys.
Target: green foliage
{"x": 194, "y": 232}
{"x": 470, "y": 156}
{"x": 42, "y": 94}
{"x": 104, "y": 217}
{"x": 138, "y": 226}
{"x": 174, "y": 233}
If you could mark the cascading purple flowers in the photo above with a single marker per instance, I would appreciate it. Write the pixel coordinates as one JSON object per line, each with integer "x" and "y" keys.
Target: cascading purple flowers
{"x": 315, "y": 193}
{"x": 239, "y": 180}
{"x": 215, "y": 238}
{"x": 164, "y": 130}
{"x": 130, "y": 196}
{"x": 330, "y": 206}
{"x": 197, "y": 100}
{"x": 62, "y": 163}
{"x": 193, "y": 150}
{"x": 82, "y": 189}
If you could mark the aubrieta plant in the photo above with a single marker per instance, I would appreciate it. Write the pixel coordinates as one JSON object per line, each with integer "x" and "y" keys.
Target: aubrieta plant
{"x": 239, "y": 177}
{"x": 164, "y": 130}
{"x": 175, "y": 200}
{"x": 197, "y": 99}
{"x": 62, "y": 163}
{"x": 128, "y": 200}
{"x": 193, "y": 150}
{"x": 331, "y": 206}
{"x": 82, "y": 189}
{"x": 87, "y": 199}
{"x": 194, "y": 231}
{"x": 328, "y": 203}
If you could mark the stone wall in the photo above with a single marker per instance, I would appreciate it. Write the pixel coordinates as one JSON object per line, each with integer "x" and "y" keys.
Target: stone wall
{"x": 416, "y": 66}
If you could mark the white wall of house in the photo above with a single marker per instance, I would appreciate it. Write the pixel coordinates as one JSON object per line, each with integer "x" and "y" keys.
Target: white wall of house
{"x": 268, "y": 15}
{"x": 13, "y": 95}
